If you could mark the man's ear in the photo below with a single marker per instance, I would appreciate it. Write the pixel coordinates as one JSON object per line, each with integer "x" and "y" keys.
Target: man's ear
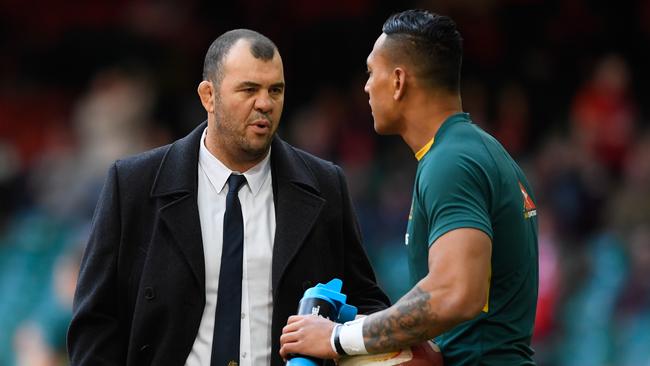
{"x": 206, "y": 93}
{"x": 399, "y": 83}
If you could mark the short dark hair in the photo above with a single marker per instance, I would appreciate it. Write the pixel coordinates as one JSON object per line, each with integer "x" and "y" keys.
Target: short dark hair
{"x": 261, "y": 48}
{"x": 432, "y": 44}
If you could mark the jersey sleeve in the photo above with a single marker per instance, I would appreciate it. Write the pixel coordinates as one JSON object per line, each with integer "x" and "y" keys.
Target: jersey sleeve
{"x": 456, "y": 194}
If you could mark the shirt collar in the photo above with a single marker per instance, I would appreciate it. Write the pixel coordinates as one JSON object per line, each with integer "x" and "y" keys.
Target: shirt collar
{"x": 454, "y": 118}
{"x": 218, "y": 173}
{"x": 424, "y": 150}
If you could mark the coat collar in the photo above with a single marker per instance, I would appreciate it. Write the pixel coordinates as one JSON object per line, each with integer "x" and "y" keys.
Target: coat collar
{"x": 296, "y": 194}
{"x": 178, "y": 169}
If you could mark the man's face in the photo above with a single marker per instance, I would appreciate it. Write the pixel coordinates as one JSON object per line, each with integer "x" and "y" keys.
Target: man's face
{"x": 248, "y": 103}
{"x": 380, "y": 89}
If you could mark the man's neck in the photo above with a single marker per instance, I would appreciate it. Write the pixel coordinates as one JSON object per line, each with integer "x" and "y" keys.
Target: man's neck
{"x": 237, "y": 161}
{"x": 425, "y": 116}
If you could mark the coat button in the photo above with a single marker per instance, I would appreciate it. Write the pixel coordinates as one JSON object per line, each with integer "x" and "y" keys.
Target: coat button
{"x": 145, "y": 348}
{"x": 149, "y": 293}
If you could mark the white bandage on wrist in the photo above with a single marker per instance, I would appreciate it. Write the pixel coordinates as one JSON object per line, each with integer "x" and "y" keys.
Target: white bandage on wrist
{"x": 351, "y": 337}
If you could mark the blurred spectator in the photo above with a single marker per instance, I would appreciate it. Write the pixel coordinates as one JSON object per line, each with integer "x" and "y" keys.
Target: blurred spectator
{"x": 550, "y": 276}
{"x": 604, "y": 114}
{"x": 315, "y": 126}
{"x": 356, "y": 143}
{"x": 630, "y": 205}
{"x": 40, "y": 341}
{"x": 475, "y": 101}
{"x": 512, "y": 119}
{"x": 573, "y": 186}
{"x": 633, "y": 309}
{"x": 588, "y": 332}
{"x": 63, "y": 180}
{"x": 28, "y": 118}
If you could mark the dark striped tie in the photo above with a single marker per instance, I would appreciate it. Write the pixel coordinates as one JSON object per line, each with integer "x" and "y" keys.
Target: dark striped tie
{"x": 225, "y": 341}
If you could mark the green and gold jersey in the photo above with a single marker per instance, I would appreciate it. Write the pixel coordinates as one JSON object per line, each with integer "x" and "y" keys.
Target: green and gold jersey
{"x": 466, "y": 179}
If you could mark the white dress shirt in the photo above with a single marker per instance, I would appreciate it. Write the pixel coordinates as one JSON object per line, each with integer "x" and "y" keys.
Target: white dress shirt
{"x": 258, "y": 212}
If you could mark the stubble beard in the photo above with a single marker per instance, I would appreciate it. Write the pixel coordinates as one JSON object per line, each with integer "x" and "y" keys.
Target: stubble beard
{"x": 236, "y": 141}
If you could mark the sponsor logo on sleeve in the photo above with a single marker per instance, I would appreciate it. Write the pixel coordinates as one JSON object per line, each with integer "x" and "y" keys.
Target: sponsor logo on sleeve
{"x": 530, "y": 209}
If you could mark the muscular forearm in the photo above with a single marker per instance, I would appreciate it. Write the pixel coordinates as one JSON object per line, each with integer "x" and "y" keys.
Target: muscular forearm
{"x": 412, "y": 319}
{"x": 454, "y": 291}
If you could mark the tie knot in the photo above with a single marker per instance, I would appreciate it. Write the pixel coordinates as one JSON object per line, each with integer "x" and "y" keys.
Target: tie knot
{"x": 235, "y": 181}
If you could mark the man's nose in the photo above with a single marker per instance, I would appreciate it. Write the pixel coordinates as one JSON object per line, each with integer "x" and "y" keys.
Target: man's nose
{"x": 264, "y": 102}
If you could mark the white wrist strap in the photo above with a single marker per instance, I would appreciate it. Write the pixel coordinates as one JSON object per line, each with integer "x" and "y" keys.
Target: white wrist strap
{"x": 351, "y": 337}
{"x": 332, "y": 337}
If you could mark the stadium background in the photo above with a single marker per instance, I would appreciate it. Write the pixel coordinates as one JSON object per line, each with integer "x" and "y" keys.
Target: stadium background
{"x": 562, "y": 84}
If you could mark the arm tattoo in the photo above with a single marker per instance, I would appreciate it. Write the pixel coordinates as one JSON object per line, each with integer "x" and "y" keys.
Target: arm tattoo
{"x": 409, "y": 321}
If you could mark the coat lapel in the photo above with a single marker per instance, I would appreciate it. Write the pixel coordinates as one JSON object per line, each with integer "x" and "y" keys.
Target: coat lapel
{"x": 295, "y": 191}
{"x": 177, "y": 184}
{"x": 297, "y": 205}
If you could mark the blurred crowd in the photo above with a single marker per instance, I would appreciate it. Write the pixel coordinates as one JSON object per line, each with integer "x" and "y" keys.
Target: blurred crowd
{"x": 562, "y": 84}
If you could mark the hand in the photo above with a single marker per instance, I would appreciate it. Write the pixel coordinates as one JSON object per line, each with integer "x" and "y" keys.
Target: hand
{"x": 307, "y": 335}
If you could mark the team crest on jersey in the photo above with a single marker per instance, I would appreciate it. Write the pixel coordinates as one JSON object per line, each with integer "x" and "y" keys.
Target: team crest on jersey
{"x": 530, "y": 209}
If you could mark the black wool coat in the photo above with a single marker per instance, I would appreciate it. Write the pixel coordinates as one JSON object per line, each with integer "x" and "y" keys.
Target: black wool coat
{"x": 141, "y": 289}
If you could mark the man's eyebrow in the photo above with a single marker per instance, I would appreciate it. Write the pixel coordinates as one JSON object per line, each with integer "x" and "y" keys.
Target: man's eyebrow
{"x": 252, "y": 84}
{"x": 248, "y": 84}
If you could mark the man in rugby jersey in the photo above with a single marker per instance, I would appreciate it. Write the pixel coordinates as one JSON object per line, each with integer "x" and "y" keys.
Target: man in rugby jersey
{"x": 472, "y": 231}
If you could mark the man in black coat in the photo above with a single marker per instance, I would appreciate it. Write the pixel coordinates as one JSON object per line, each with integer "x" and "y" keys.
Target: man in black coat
{"x": 149, "y": 279}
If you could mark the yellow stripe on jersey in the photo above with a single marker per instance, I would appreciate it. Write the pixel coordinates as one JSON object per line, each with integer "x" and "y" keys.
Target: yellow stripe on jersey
{"x": 487, "y": 301}
{"x": 424, "y": 149}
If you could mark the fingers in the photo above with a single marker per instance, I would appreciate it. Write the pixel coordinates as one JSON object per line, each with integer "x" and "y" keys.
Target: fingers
{"x": 293, "y": 323}
{"x": 288, "y": 348}
{"x": 290, "y": 340}
{"x": 289, "y": 337}
{"x": 295, "y": 318}
{"x": 308, "y": 335}
{"x": 290, "y": 343}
